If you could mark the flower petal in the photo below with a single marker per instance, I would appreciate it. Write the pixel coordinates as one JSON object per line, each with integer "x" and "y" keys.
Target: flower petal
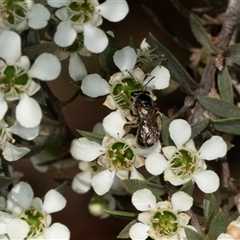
{"x": 156, "y": 163}
{"x": 65, "y": 34}
{"x": 46, "y": 67}
{"x": 113, "y": 10}
{"x": 224, "y": 236}
{"x": 28, "y": 112}
{"x": 76, "y": 68}
{"x": 86, "y": 150}
{"x": 57, "y": 231}
{"x": 13, "y": 153}
{"x": 158, "y": 79}
{"x": 207, "y": 181}
{"x": 134, "y": 174}
{"x": 53, "y": 201}
{"x": 10, "y": 46}
{"x": 139, "y": 231}
{"x": 22, "y": 194}
{"x": 42, "y": 18}
{"x": 181, "y": 201}
{"x": 213, "y": 148}
{"x": 180, "y": 132}
{"x": 94, "y": 86}
{"x": 143, "y": 200}
{"x": 103, "y": 181}
{"x": 125, "y": 59}
{"x": 82, "y": 182}
{"x": 58, "y": 4}
{"x": 113, "y": 124}
{"x": 95, "y": 40}
{"x": 17, "y": 229}
{"x": 3, "y": 106}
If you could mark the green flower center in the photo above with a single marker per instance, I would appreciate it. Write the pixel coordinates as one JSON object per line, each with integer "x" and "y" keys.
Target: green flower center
{"x": 13, "y": 80}
{"x": 183, "y": 163}
{"x": 81, "y": 11}
{"x": 35, "y": 220}
{"x": 120, "y": 156}
{"x": 13, "y": 11}
{"x": 164, "y": 223}
{"x": 122, "y": 91}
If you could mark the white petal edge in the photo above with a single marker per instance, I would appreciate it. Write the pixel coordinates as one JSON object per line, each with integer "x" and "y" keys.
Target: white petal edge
{"x": 42, "y": 18}
{"x": 125, "y": 59}
{"x": 113, "y": 124}
{"x": 57, "y": 231}
{"x": 58, "y": 4}
{"x": 113, "y": 10}
{"x": 143, "y": 200}
{"x": 86, "y": 150}
{"x": 181, "y": 201}
{"x": 82, "y": 182}
{"x": 213, "y": 148}
{"x": 28, "y": 112}
{"x": 207, "y": 181}
{"x": 139, "y": 231}
{"x": 156, "y": 163}
{"x": 94, "y": 86}
{"x": 53, "y": 201}
{"x": 17, "y": 229}
{"x": 76, "y": 68}
{"x": 3, "y": 106}
{"x": 103, "y": 181}
{"x": 224, "y": 236}
{"x": 180, "y": 132}
{"x": 46, "y": 67}
{"x": 95, "y": 40}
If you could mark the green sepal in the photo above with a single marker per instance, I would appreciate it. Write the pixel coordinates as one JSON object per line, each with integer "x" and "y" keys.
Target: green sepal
{"x": 191, "y": 234}
{"x": 92, "y": 136}
{"x": 177, "y": 71}
{"x": 217, "y": 226}
{"x": 61, "y": 188}
{"x": 233, "y": 52}
{"x": 219, "y": 107}
{"x": 5, "y": 181}
{"x": 228, "y": 125}
{"x": 34, "y": 51}
{"x": 125, "y": 232}
{"x": 225, "y": 85}
{"x": 198, "y": 127}
{"x": 132, "y": 185}
{"x": 106, "y": 57}
{"x": 201, "y": 35}
{"x": 121, "y": 214}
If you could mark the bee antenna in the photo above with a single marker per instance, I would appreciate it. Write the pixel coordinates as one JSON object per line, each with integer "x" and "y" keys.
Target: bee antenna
{"x": 149, "y": 81}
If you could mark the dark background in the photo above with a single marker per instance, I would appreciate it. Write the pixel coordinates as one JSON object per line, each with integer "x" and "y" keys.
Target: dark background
{"x": 82, "y": 114}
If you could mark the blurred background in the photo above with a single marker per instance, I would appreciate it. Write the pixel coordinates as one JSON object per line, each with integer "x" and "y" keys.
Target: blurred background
{"x": 83, "y": 115}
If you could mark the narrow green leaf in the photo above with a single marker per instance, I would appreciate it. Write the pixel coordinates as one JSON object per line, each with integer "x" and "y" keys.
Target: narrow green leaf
{"x": 61, "y": 188}
{"x": 219, "y": 107}
{"x": 5, "y": 181}
{"x": 201, "y": 35}
{"x": 233, "y": 52}
{"x": 121, "y": 214}
{"x": 191, "y": 234}
{"x": 177, "y": 71}
{"x": 198, "y": 127}
{"x": 188, "y": 187}
{"x": 165, "y": 131}
{"x": 34, "y": 51}
{"x": 106, "y": 57}
{"x": 218, "y": 226}
{"x": 210, "y": 208}
{"x": 132, "y": 44}
{"x": 132, "y": 185}
{"x": 125, "y": 232}
{"x": 225, "y": 85}
{"x": 92, "y": 136}
{"x": 230, "y": 125}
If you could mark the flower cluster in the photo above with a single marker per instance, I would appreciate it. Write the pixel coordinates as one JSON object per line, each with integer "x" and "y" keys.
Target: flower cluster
{"x": 24, "y": 217}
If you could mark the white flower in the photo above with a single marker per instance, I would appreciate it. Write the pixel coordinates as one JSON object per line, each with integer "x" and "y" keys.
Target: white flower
{"x": 185, "y": 162}
{"x": 9, "y": 151}
{"x": 160, "y": 220}
{"x": 121, "y": 84}
{"x": 30, "y": 217}
{"x": 85, "y": 16}
{"x": 20, "y": 15}
{"x": 117, "y": 154}
{"x": 17, "y": 78}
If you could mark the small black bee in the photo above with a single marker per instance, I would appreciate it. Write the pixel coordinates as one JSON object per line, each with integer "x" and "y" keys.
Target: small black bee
{"x": 146, "y": 118}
